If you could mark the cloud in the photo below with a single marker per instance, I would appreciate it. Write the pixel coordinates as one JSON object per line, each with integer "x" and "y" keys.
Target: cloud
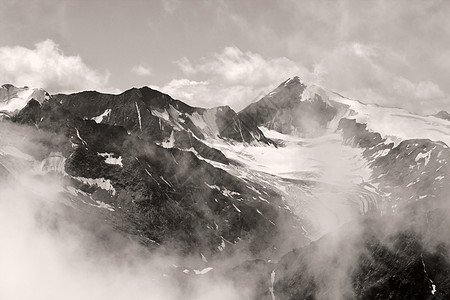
{"x": 367, "y": 72}
{"x": 231, "y": 77}
{"x": 141, "y": 70}
{"x": 233, "y": 66}
{"x": 210, "y": 94}
{"x": 184, "y": 89}
{"x": 421, "y": 90}
{"x": 46, "y": 66}
{"x": 170, "y": 6}
{"x": 373, "y": 74}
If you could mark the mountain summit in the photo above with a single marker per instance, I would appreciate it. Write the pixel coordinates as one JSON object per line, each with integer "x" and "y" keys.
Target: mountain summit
{"x": 292, "y": 108}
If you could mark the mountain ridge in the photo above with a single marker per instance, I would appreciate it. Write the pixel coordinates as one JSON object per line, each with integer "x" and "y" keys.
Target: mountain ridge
{"x": 211, "y": 183}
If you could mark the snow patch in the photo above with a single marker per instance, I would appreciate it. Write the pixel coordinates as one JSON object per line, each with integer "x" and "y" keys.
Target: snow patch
{"x": 99, "y": 118}
{"x": 170, "y": 142}
{"x": 110, "y": 159}
{"x": 139, "y": 115}
{"x": 426, "y": 156}
{"x": 162, "y": 115}
{"x": 79, "y": 136}
{"x": 102, "y": 183}
{"x": 206, "y": 122}
{"x": 204, "y": 271}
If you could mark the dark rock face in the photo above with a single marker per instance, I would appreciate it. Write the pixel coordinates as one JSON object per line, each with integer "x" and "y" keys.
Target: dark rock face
{"x": 172, "y": 199}
{"x": 156, "y": 114}
{"x": 414, "y": 170}
{"x": 285, "y": 110}
{"x": 386, "y": 261}
{"x": 165, "y": 196}
{"x": 156, "y": 117}
{"x": 443, "y": 115}
{"x": 397, "y": 256}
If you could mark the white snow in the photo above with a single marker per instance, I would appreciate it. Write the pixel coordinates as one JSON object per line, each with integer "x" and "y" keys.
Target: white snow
{"x": 99, "y": 182}
{"x": 426, "y": 156}
{"x": 291, "y": 79}
{"x": 327, "y": 175}
{"x": 99, "y": 118}
{"x": 323, "y": 159}
{"x": 104, "y": 205}
{"x": 19, "y": 97}
{"x": 204, "y": 271}
{"x": 110, "y": 159}
{"x": 169, "y": 143}
{"x": 206, "y": 122}
{"x": 166, "y": 182}
{"x": 162, "y": 115}
{"x": 439, "y": 178}
{"x": 221, "y": 247}
{"x": 223, "y": 190}
{"x": 79, "y": 137}
{"x": 139, "y": 115}
{"x": 433, "y": 288}
{"x": 395, "y": 123}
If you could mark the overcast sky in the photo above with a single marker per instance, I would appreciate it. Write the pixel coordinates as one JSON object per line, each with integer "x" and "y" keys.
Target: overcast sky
{"x": 208, "y": 52}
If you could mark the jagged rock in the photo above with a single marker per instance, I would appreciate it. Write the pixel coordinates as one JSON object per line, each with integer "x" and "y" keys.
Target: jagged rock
{"x": 292, "y": 108}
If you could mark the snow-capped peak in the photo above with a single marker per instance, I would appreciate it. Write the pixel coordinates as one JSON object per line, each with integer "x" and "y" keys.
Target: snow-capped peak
{"x": 13, "y": 99}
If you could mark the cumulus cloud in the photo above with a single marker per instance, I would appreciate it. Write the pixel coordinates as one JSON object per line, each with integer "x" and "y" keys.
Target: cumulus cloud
{"x": 372, "y": 74}
{"x": 232, "y": 77}
{"x": 367, "y": 72}
{"x": 48, "y": 67}
{"x": 233, "y": 66}
{"x": 141, "y": 70}
{"x": 210, "y": 94}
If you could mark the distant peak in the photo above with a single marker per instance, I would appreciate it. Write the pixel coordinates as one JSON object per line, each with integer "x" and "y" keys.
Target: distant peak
{"x": 443, "y": 115}
{"x": 7, "y": 86}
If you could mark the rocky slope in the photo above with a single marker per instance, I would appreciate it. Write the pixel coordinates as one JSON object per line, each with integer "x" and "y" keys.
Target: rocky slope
{"x": 162, "y": 194}
{"x": 395, "y": 253}
{"x": 292, "y": 108}
{"x": 323, "y": 196}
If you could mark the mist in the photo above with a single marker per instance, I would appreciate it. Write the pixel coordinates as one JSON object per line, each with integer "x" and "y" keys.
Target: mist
{"x": 53, "y": 250}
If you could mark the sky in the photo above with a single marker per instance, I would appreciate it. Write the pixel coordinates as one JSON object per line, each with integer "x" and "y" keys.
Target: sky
{"x": 232, "y": 52}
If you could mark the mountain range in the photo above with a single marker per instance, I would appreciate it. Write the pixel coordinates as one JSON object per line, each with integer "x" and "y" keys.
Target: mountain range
{"x": 304, "y": 194}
